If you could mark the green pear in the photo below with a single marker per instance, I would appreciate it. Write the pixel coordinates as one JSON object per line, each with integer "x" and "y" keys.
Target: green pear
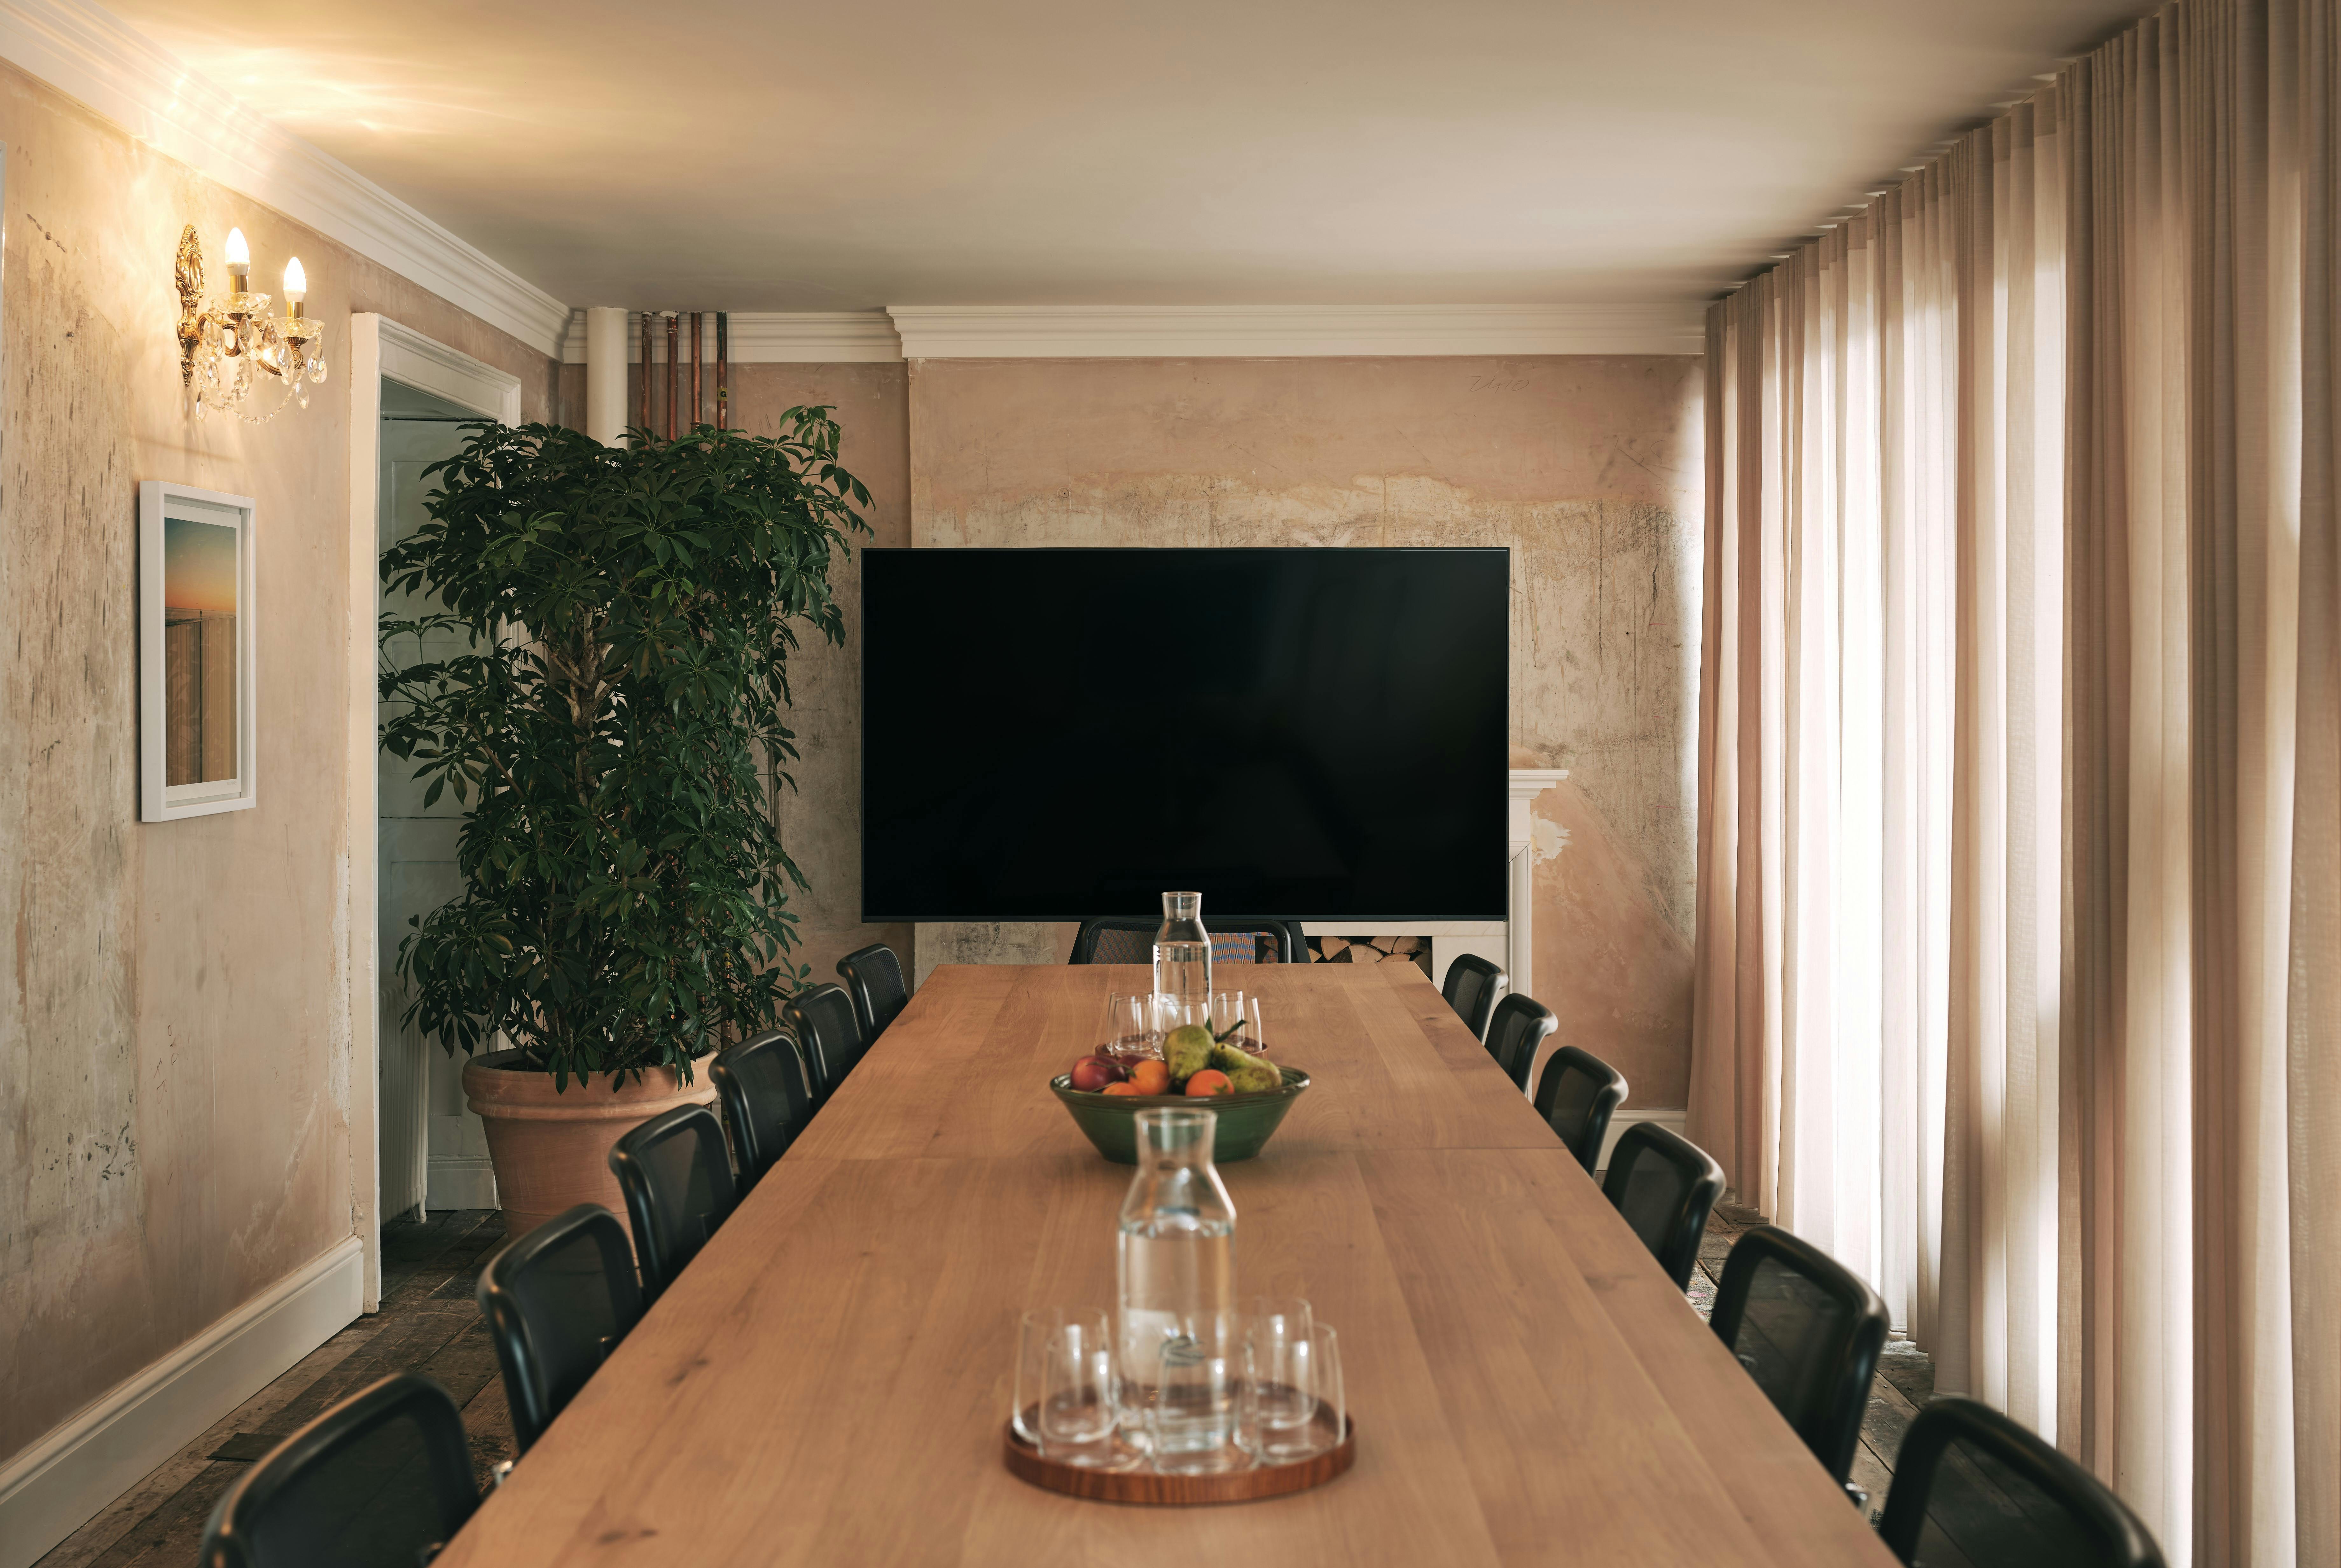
{"x": 1248, "y": 1074}
{"x": 1186, "y": 1051}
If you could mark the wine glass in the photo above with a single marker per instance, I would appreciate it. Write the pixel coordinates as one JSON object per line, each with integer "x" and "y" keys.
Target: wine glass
{"x": 1129, "y": 1031}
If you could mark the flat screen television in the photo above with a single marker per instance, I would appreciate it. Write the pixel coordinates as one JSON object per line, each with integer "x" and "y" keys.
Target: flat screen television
{"x": 1311, "y": 733}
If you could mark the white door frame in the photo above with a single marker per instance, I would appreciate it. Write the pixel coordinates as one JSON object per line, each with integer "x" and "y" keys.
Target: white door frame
{"x": 381, "y": 347}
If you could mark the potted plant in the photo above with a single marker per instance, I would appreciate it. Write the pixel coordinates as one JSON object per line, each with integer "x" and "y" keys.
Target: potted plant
{"x": 616, "y": 729}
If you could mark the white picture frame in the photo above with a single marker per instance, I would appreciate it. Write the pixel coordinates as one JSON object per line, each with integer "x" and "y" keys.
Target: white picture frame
{"x": 196, "y": 652}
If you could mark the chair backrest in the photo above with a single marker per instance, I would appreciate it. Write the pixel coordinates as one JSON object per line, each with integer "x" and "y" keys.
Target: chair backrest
{"x": 557, "y": 1301}
{"x": 1972, "y": 1486}
{"x": 1473, "y": 984}
{"x": 1577, "y": 1094}
{"x": 828, "y": 1034}
{"x": 1517, "y": 1029}
{"x": 1129, "y": 939}
{"x": 1665, "y": 1186}
{"x": 874, "y": 981}
{"x": 677, "y": 1179}
{"x": 380, "y": 1480}
{"x": 767, "y": 1098}
{"x": 1808, "y": 1331}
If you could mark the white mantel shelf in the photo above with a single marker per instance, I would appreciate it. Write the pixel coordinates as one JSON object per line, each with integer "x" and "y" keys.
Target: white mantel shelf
{"x": 1528, "y": 783}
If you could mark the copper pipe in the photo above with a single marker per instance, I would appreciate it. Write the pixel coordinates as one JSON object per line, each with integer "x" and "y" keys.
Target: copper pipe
{"x": 673, "y": 373}
{"x": 723, "y": 369}
{"x": 643, "y": 383}
{"x": 696, "y": 406}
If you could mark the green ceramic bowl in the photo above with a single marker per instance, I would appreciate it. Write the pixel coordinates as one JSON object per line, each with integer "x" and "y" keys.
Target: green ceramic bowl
{"x": 1245, "y": 1121}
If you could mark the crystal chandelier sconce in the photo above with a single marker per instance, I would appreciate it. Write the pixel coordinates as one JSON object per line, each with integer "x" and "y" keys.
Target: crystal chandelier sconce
{"x": 232, "y": 354}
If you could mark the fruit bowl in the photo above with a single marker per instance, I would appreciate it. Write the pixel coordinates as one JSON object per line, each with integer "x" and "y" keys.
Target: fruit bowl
{"x": 1246, "y": 1121}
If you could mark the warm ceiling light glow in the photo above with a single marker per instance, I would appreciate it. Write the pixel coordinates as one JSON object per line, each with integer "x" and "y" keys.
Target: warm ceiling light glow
{"x": 296, "y": 282}
{"x": 239, "y": 254}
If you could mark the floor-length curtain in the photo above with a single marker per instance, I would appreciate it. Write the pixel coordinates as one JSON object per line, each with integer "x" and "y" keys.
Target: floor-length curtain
{"x": 2019, "y": 916}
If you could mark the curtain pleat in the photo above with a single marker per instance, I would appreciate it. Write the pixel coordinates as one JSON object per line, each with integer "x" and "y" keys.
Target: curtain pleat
{"x": 2020, "y": 919}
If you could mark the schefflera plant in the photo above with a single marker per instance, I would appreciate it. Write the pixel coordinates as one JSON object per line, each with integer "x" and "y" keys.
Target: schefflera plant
{"x": 615, "y": 728}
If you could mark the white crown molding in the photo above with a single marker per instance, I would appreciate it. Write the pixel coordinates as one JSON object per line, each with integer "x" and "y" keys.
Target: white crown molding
{"x": 1278, "y": 331}
{"x": 90, "y": 54}
{"x": 771, "y": 338}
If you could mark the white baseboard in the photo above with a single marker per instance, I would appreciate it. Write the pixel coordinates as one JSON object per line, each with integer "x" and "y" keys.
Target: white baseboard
{"x": 66, "y": 1478}
{"x": 1669, "y": 1117}
{"x": 459, "y": 1181}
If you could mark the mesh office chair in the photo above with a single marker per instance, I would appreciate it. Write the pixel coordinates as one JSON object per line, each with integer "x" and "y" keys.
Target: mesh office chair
{"x": 1808, "y": 1331}
{"x": 767, "y": 1098}
{"x": 827, "y": 1033}
{"x": 1129, "y": 939}
{"x": 1516, "y": 1031}
{"x": 677, "y": 1179}
{"x": 1576, "y": 1094}
{"x": 874, "y": 981}
{"x": 1973, "y": 1489}
{"x": 1472, "y": 985}
{"x": 557, "y": 1301}
{"x": 1666, "y": 1186}
{"x": 382, "y": 1479}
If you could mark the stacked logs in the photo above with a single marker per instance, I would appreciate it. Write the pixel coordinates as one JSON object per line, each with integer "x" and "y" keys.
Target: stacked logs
{"x": 1371, "y": 950}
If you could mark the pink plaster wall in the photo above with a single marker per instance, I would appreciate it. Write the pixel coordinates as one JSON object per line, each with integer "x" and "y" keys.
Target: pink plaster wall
{"x": 177, "y": 1101}
{"x": 1589, "y": 467}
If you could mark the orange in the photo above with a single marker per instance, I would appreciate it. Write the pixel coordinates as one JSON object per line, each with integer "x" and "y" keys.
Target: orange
{"x": 1150, "y": 1077}
{"x": 1209, "y": 1081}
{"x": 1123, "y": 1088}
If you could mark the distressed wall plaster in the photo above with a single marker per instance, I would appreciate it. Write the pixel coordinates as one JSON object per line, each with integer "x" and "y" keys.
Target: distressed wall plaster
{"x": 177, "y": 1095}
{"x": 1587, "y": 468}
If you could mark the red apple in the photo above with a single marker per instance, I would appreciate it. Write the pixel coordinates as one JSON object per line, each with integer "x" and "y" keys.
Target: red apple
{"x": 1093, "y": 1072}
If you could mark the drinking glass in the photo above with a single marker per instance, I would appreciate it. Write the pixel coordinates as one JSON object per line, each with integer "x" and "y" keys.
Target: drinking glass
{"x": 1197, "y": 1420}
{"x": 1227, "y": 1019}
{"x": 1129, "y": 1031}
{"x": 1281, "y": 1401}
{"x": 1254, "y": 1039}
{"x": 1077, "y": 1415}
{"x": 1033, "y": 1331}
{"x": 1333, "y": 1421}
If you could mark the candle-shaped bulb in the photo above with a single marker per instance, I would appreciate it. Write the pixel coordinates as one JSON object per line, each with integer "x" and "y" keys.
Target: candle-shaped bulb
{"x": 296, "y": 282}
{"x": 239, "y": 263}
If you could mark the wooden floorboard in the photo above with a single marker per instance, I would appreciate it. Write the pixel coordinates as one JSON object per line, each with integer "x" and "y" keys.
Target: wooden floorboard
{"x": 428, "y": 1323}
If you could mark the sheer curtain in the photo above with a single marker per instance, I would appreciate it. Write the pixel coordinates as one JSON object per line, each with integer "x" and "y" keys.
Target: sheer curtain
{"x": 2019, "y": 917}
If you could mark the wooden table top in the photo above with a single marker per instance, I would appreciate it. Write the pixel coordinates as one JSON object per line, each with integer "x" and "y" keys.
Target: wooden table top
{"x": 827, "y": 1381}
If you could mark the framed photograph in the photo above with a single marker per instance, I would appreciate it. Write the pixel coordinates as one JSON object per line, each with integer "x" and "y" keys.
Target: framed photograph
{"x": 197, "y": 694}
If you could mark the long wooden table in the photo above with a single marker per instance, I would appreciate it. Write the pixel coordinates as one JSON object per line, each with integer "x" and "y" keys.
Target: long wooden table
{"x": 827, "y": 1381}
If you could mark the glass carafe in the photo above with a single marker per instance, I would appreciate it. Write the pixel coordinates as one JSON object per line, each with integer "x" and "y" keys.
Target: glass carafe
{"x": 1182, "y": 959}
{"x": 1177, "y": 1253}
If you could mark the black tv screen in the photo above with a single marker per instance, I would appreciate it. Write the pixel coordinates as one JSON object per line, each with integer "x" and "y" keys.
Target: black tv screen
{"x": 1311, "y": 733}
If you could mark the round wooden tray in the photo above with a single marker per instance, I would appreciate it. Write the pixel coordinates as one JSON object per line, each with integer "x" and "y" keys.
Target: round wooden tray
{"x": 1025, "y": 1463}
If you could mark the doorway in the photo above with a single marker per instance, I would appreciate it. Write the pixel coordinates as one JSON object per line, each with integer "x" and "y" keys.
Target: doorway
{"x": 414, "y": 1145}
{"x": 434, "y": 1152}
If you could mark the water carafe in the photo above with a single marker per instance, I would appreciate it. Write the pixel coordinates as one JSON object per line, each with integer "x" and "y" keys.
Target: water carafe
{"x": 1176, "y": 1257}
{"x": 1182, "y": 959}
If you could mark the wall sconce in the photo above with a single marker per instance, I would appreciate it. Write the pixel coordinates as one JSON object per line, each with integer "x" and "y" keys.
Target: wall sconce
{"x": 225, "y": 349}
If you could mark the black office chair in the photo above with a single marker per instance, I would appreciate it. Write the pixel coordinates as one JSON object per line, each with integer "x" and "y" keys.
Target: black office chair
{"x": 1576, "y": 1094}
{"x": 557, "y": 1301}
{"x": 1808, "y": 1331}
{"x": 1129, "y": 939}
{"x": 827, "y": 1033}
{"x": 1472, "y": 985}
{"x": 382, "y": 1479}
{"x": 767, "y": 1098}
{"x": 1518, "y": 1028}
{"x": 1972, "y": 1487}
{"x": 1666, "y": 1186}
{"x": 678, "y": 1183}
{"x": 873, "y": 980}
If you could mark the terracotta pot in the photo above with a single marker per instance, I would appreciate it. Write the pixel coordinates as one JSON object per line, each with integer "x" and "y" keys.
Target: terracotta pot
{"x": 552, "y": 1150}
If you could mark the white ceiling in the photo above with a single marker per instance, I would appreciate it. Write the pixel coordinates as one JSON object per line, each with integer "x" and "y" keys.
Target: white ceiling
{"x": 725, "y": 154}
